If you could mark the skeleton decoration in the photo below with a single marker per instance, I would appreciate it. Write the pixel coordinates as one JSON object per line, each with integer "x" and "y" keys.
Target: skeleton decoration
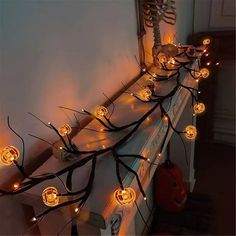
{"x": 156, "y": 11}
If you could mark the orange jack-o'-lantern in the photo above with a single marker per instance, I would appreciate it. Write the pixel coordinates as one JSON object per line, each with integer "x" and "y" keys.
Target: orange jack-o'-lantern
{"x": 170, "y": 191}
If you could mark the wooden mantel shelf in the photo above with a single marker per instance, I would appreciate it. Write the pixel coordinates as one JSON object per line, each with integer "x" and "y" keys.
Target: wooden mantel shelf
{"x": 101, "y": 205}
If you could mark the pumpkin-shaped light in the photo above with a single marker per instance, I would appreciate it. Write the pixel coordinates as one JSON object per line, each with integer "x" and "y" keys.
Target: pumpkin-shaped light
{"x": 162, "y": 57}
{"x": 145, "y": 94}
{"x": 64, "y": 130}
{"x": 9, "y": 154}
{"x": 204, "y": 73}
{"x": 100, "y": 111}
{"x": 197, "y": 74}
{"x": 206, "y": 41}
{"x": 190, "y": 132}
{"x": 199, "y": 108}
{"x": 125, "y": 196}
{"x": 50, "y": 196}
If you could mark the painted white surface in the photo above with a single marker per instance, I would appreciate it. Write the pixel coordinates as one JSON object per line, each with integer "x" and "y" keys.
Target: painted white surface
{"x": 222, "y": 14}
{"x": 214, "y": 15}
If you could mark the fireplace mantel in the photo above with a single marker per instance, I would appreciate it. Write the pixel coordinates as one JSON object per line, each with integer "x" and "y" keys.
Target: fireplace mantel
{"x": 101, "y": 206}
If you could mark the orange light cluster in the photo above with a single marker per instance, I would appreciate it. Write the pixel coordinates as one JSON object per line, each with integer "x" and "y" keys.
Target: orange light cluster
{"x": 50, "y": 196}
{"x": 125, "y": 196}
{"x": 190, "y": 132}
{"x": 100, "y": 112}
{"x": 145, "y": 94}
{"x": 199, "y": 108}
{"x": 64, "y": 130}
{"x": 9, "y": 154}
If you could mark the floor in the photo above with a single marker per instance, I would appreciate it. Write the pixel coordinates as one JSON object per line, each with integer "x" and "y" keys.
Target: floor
{"x": 210, "y": 209}
{"x": 215, "y": 173}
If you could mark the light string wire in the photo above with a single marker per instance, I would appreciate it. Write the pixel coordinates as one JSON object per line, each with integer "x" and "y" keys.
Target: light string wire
{"x": 91, "y": 155}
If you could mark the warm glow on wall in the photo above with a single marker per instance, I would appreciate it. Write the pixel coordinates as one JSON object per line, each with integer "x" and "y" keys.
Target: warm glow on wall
{"x": 190, "y": 132}
{"x": 64, "y": 130}
{"x": 9, "y": 154}
{"x": 125, "y": 197}
{"x": 50, "y": 196}
{"x": 100, "y": 111}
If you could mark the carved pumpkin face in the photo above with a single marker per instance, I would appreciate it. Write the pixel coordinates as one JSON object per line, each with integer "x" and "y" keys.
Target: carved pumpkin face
{"x": 170, "y": 192}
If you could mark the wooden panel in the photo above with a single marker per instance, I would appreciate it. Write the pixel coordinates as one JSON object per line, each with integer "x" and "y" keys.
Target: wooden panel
{"x": 222, "y": 14}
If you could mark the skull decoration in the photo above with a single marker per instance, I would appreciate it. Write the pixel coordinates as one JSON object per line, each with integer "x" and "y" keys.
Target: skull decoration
{"x": 156, "y": 11}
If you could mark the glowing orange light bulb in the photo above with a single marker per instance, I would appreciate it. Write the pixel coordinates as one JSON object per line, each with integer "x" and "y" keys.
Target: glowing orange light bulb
{"x": 190, "y": 132}
{"x": 197, "y": 74}
{"x": 76, "y": 210}
{"x": 50, "y": 196}
{"x": 125, "y": 197}
{"x": 165, "y": 118}
{"x": 16, "y": 186}
{"x": 206, "y": 41}
{"x": 100, "y": 111}
{"x": 199, "y": 108}
{"x": 204, "y": 72}
{"x": 145, "y": 94}
{"x": 9, "y": 154}
{"x": 162, "y": 58}
{"x": 64, "y": 130}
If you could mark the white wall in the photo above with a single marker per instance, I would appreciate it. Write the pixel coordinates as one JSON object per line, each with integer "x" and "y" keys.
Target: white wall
{"x": 65, "y": 53}
{"x": 61, "y": 53}
{"x": 214, "y": 15}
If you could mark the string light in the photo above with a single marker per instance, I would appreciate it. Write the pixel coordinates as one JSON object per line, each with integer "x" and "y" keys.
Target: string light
{"x": 145, "y": 94}
{"x": 197, "y": 74}
{"x": 100, "y": 112}
{"x": 125, "y": 196}
{"x": 33, "y": 219}
{"x": 190, "y": 132}
{"x": 16, "y": 186}
{"x": 76, "y": 210}
{"x": 162, "y": 58}
{"x": 165, "y": 118}
{"x": 206, "y": 41}
{"x": 50, "y": 196}
{"x": 9, "y": 154}
{"x": 217, "y": 63}
{"x": 199, "y": 108}
{"x": 204, "y": 73}
{"x": 64, "y": 130}
{"x": 208, "y": 63}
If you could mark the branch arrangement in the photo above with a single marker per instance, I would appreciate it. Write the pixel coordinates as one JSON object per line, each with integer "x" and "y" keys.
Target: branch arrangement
{"x": 68, "y": 150}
